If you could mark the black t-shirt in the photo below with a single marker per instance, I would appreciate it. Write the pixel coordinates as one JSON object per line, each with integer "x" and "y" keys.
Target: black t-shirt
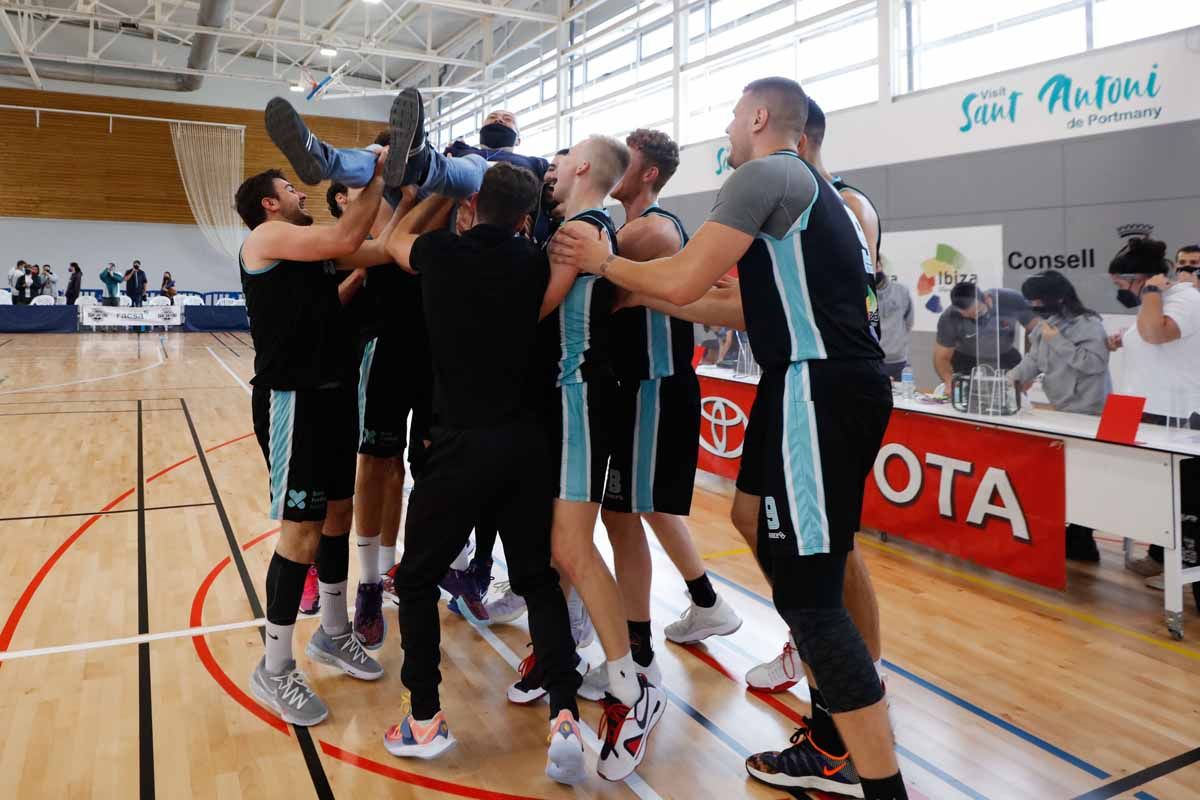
{"x": 481, "y": 294}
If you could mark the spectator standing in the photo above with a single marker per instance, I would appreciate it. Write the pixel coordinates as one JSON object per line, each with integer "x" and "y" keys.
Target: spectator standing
{"x": 14, "y": 274}
{"x": 1187, "y": 264}
{"x": 49, "y": 282}
{"x": 168, "y": 287}
{"x": 74, "y": 281}
{"x": 135, "y": 284}
{"x": 1162, "y": 351}
{"x": 896, "y": 320}
{"x": 1069, "y": 349}
{"x": 29, "y": 285}
{"x": 112, "y": 285}
{"x": 980, "y": 327}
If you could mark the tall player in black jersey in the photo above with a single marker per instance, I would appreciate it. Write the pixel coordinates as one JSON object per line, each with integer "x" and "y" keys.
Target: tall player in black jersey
{"x": 304, "y": 418}
{"x": 657, "y": 420}
{"x": 818, "y": 420}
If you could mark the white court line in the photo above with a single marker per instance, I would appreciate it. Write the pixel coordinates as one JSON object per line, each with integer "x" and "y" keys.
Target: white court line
{"x": 26, "y": 390}
{"x": 228, "y": 369}
{"x": 145, "y": 637}
{"x": 635, "y": 783}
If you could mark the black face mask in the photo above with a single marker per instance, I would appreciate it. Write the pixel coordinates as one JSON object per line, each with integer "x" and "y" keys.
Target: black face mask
{"x": 494, "y": 136}
{"x": 1128, "y": 299}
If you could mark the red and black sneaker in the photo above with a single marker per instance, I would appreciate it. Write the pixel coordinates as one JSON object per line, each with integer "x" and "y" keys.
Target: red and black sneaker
{"x": 625, "y": 731}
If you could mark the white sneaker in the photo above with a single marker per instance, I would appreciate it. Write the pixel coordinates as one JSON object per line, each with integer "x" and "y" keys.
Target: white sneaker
{"x": 507, "y": 606}
{"x": 595, "y": 680}
{"x": 581, "y": 622}
{"x": 779, "y": 674}
{"x": 625, "y": 732}
{"x": 698, "y": 623}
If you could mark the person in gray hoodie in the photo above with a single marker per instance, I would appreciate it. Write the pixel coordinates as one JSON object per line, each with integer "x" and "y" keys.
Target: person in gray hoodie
{"x": 895, "y": 322}
{"x": 1069, "y": 349}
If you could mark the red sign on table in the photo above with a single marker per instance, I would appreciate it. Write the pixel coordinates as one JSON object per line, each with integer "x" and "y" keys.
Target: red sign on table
{"x": 993, "y": 497}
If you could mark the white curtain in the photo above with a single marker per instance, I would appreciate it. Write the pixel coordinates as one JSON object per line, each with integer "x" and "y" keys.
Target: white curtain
{"x": 210, "y": 163}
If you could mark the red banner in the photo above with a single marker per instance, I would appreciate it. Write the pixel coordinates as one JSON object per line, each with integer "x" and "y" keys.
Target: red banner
{"x": 724, "y": 412}
{"x": 993, "y": 497}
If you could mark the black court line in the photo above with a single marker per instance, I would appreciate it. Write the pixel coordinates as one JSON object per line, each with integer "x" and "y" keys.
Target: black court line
{"x": 145, "y": 711}
{"x": 1141, "y": 777}
{"x": 224, "y": 344}
{"x": 107, "y": 513}
{"x": 6, "y": 341}
{"x": 163, "y": 349}
{"x": 316, "y": 769}
{"x": 238, "y": 339}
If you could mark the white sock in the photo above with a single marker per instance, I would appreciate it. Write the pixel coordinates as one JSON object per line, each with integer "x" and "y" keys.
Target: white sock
{"x": 622, "y": 680}
{"x": 334, "y": 617}
{"x": 386, "y": 558}
{"x": 464, "y": 558}
{"x": 368, "y": 559}
{"x": 279, "y": 647}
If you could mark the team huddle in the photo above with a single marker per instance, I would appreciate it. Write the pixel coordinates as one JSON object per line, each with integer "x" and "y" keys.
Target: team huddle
{"x": 545, "y": 359}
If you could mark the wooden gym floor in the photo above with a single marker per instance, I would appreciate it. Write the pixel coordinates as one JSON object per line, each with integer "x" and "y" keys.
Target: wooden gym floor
{"x": 134, "y": 541}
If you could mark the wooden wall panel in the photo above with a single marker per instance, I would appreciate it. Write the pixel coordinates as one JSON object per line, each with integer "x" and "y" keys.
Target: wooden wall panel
{"x": 72, "y": 167}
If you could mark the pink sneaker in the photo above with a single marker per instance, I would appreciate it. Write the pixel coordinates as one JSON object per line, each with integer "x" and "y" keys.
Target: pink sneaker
{"x": 310, "y": 600}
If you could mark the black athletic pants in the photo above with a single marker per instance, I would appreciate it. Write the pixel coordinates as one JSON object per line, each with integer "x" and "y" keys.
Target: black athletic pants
{"x": 501, "y": 473}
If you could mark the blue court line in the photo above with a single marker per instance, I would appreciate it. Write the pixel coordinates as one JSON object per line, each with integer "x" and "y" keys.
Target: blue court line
{"x": 966, "y": 705}
{"x": 904, "y": 752}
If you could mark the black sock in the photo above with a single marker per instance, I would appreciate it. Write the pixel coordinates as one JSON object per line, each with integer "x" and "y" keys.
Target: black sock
{"x": 822, "y": 731}
{"x": 702, "y": 592}
{"x": 884, "y": 788}
{"x": 639, "y": 643}
{"x": 333, "y": 558}
{"x": 285, "y": 585}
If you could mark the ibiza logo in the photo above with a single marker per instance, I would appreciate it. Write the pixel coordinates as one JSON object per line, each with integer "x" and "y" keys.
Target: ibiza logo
{"x": 724, "y": 418}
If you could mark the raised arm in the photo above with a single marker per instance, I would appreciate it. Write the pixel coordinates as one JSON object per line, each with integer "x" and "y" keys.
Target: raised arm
{"x": 430, "y": 214}
{"x": 1154, "y": 326}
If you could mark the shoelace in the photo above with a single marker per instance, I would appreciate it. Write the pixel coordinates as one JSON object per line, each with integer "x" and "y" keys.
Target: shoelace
{"x": 293, "y": 688}
{"x": 526, "y": 665}
{"x": 611, "y": 723}
{"x": 787, "y": 659}
{"x": 354, "y": 647}
{"x": 503, "y": 588}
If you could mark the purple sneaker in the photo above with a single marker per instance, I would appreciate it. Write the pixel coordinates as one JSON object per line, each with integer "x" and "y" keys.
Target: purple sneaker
{"x": 369, "y": 623}
{"x": 464, "y": 585}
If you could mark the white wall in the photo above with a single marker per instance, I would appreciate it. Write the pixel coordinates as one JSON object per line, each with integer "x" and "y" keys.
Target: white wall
{"x": 179, "y": 249}
{"x": 929, "y": 124}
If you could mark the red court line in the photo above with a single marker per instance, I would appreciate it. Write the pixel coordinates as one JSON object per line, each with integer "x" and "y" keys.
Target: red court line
{"x": 162, "y": 472}
{"x": 414, "y": 779}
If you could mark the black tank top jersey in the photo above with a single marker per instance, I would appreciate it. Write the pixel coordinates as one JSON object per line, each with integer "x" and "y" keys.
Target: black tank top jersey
{"x": 576, "y": 336}
{"x": 301, "y": 338}
{"x": 873, "y": 299}
{"x": 803, "y": 294}
{"x": 840, "y": 184}
{"x": 649, "y": 344}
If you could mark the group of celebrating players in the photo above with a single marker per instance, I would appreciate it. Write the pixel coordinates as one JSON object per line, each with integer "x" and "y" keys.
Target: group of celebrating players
{"x": 544, "y": 357}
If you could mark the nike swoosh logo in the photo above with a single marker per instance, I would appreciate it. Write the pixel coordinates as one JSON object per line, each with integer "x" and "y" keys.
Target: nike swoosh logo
{"x": 333, "y": 594}
{"x": 364, "y": 544}
{"x": 273, "y": 636}
{"x": 829, "y": 773}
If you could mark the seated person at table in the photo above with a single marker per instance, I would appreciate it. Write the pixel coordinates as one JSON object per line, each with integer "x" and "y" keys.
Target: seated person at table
{"x": 980, "y": 327}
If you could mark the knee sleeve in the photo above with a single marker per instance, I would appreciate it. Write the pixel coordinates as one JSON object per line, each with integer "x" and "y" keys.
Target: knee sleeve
{"x": 834, "y": 650}
{"x": 333, "y": 558}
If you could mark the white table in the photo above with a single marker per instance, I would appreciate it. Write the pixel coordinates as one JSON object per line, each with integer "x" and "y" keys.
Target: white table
{"x": 1126, "y": 490}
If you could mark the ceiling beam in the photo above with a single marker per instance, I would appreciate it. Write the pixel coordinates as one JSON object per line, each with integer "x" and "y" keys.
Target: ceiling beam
{"x": 483, "y": 10}
{"x": 19, "y": 43}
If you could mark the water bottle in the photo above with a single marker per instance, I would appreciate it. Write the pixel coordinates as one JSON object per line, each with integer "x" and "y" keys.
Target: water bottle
{"x": 908, "y": 386}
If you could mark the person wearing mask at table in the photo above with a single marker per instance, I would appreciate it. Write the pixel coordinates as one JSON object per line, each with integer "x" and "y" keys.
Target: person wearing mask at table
{"x": 135, "y": 284}
{"x": 74, "y": 281}
{"x": 49, "y": 282}
{"x": 1069, "y": 349}
{"x": 1162, "y": 349}
{"x": 112, "y": 281}
{"x": 896, "y": 321}
{"x": 1187, "y": 264}
{"x": 29, "y": 286}
{"x": 168, "y": 287}
{"x": 979, "y": 327}
{"x": 15, "y": 274}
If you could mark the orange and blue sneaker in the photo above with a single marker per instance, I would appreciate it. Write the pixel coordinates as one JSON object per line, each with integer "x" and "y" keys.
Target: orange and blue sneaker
{"x": 415, "y": 739}
{"x": 806, "y": 766}
{"x": 564, "y": 759}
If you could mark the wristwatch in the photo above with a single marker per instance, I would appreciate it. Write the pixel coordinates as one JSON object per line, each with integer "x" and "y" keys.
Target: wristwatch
{"x": 1152, "y": 289}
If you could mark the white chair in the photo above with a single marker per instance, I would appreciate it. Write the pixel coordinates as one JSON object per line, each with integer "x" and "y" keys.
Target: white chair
{"x": 42, "y": 300}
{"x": 87, "y": 300}
{"x": 125, "y": 301}
{"x": 231, "y": 301}
{"x": 159, "y": 301}
{"x": 191, "y": 299}
{"x": 5, "y": 298}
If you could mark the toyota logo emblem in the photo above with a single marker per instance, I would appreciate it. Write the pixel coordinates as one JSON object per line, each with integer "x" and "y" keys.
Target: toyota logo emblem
{"x": 722, "y": 415}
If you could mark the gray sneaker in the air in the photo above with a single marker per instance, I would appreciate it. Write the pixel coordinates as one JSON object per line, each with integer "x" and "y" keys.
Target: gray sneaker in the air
{"x": 287, "y": 694}
{"x": 346, "y": 652}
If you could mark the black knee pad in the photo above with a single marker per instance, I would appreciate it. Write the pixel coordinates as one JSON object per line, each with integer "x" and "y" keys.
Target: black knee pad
{"x": 834, "y": 650}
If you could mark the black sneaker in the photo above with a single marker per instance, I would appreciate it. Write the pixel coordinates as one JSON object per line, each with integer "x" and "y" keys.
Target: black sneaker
{"x": 407, "y": 121}
{"x": 533, "y": 674}
{"x": 289, "y": 133}
{"x": 805, "y": 766}
{"x": 1081, "y": 545}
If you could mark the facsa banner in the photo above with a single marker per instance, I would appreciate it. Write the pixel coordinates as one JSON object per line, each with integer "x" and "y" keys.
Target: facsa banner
{"x": 996, "y": 498}
{"x": 928, "y": 263}
{"x": 126, "y": 316}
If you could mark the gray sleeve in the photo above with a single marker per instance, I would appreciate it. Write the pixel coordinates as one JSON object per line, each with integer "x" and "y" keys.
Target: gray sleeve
{"x": 948, "y": 330}
{"x": 756, "y": 190}
{"x": 1011, "y": 303}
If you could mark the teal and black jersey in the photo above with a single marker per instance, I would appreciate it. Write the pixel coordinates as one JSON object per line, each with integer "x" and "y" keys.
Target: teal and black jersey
{"x": 576, "y": 336}
{"x": 301, "y": 340}
{"x": 806, "y": 278}
{"x": 873, "y": 305}
{"x": 649, "y": 344}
